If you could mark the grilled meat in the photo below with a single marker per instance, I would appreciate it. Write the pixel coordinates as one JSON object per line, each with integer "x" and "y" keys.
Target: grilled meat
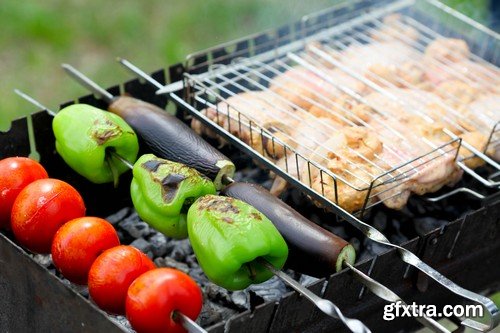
{"x": 387, "y": 62}
{"x": 245, "y": 114}
{"x": 417, "y": 103}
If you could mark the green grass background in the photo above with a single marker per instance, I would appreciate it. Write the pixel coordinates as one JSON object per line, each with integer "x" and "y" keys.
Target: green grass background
{"x": 37, "y": 36}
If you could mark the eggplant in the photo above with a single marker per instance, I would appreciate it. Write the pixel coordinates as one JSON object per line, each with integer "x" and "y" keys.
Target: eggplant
{"x": 313, "y": 250}
{"x": 169, "y": 138}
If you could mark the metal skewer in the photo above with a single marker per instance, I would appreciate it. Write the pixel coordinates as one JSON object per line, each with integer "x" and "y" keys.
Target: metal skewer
{"x": 374, "y": 286}
{"x": 324, "y": 305}
{"x": 34, "y": 102}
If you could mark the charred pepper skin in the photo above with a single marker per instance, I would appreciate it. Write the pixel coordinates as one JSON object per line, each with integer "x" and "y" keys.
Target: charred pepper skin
{"x": 229, "y": 237}
{"x": 84, "y": 134}
{"x": 161, "y": 190}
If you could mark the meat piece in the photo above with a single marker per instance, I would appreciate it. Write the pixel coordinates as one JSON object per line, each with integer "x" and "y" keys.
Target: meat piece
{"x": 397, "y": 102}
{"x": 245, "y": 114}
{"x": 301, "y": 87}
{"x": 304, "y": 139}
{"x": 348, "y": 154}
{"x": 449, "y": 59}
{"x": 389, "y": 61}
{"x": 395, "y": 29}
{"x": 450, "y": 49}
{"x": 486, "y": 110}
{"x": 304, "y": 89}
{"x": 456, "y": 93}
{"x": 426, "y": 174}
{"x": 478, "y": 141}
{"x": 409, "y": 107}
{"x": 343, "y": 110}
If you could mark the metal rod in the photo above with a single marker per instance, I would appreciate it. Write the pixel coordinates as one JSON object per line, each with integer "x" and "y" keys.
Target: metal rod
{"x": 136, "y": 70}
{"x": 388, "y": 295}
{"x": 34, "y": 102}
{"x": 455, "y": 191}
{"x": 324, "y": 305}
{"x": 162, "y": 89}
{"x": 189, "y": 324}
{"x": 88, "y": 83}
{"x": 122, "y": 159}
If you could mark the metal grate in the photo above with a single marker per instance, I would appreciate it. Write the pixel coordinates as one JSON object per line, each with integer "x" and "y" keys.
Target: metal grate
{"x": 251, "y": 91}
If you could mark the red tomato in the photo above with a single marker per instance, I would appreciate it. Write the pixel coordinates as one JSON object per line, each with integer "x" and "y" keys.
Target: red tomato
{"x": 40, "y": 209}
{"x": 15, "y": 174}
{"x": 78, "y": 243}
{"x": 112, "y": 273}
{"x": 155, "y": 295}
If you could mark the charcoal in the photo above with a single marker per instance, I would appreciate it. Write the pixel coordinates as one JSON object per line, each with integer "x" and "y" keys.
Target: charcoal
{"x": 43, "y": 259}
{"x": 218, "y": 294}
{"x": 158, "y": 244}
{"x": 356, "y": 243}
{"x": 241, "y": 299}
{"x": 118, "y": 216}
{"x": 271, "y": 290}
{"x": 339, "y": 231}
{"x": 426, "y": 224}
{"x": 267, "y": 184}
{"x": 380, "y": 220}
{"x": 181, "y": 249}
{"x": 198, "y": 275}
{"x": 123, "y": 238}
{"x": 307, "y": 280}
{"x": 372, "y": 249}
{"x": 172, "y": 263}
{"x": 135, "y": 227}
{"x": 213, "y": 313}
{"x": 142, "y": 245}
{"x": 315, "y": 218}
{"x": 192, "y": 261}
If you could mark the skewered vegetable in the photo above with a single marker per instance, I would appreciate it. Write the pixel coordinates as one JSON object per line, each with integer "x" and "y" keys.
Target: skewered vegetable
{"x": 85, "y": 138}
{"x": 156, "y": 299}
{"x": 40, "y": 209}
{"x": 113, "y": 272}
{"x": 162, "y": 191}
{"x": 78, "y": 243}
{"x": 229, "y": 237}
{"x": 15, "y": 174}
{"x": 313, "y": 250}
{"x": 170, "y": 138}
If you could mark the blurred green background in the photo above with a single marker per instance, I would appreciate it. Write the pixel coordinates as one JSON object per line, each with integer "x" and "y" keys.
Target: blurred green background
{"x": 37, "y": 36}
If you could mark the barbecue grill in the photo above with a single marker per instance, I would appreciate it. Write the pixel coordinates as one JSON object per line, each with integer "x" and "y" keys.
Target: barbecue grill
{"x": 211, "y": 77}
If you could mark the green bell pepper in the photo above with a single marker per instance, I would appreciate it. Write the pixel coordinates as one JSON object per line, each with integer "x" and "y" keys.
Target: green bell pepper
{"x": 162, "y": 191}
{"x": 86, "y": 135}
{"x": 230, "y": 237}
